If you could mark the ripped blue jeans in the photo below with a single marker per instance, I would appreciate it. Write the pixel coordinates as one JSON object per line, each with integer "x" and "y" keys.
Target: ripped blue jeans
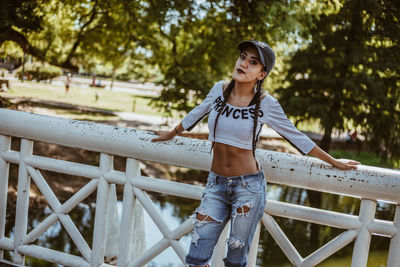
{"x": 239, "y": 198}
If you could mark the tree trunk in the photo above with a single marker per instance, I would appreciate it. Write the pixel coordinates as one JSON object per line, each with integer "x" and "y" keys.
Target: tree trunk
{"x": 112, "y": 78}
{"x": 326, "y": 139}
{"x": 315, "y": 197}
{"x": 22, "y": 41}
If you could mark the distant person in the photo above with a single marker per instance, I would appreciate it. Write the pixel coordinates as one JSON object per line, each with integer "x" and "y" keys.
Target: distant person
{"x": 93, "y": 80}
{"x": 236, "y": 187}
{"x": 68, "y": 80}
{"x": 353, "y": 136}
{"x": 348, "y": 138}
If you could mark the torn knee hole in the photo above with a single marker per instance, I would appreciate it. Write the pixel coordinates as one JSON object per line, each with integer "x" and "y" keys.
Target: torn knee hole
{"x": 202, "y": 217}
{"x": 242, "y": 210}
{"x": 235, "y": 243}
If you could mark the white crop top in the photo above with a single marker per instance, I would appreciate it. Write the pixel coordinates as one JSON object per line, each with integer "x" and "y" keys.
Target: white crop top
{"x": 235, "y": 124}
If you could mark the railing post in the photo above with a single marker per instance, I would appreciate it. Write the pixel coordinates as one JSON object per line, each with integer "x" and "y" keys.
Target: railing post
{"x": 21, "y": 216}
{"x": 309, "y": 173}
{"x": 281, "y": 239}
{"x": 5, "y": 144}
{"x": 220, "y": 247}
{"x": 139, "y": 236}
{"x": 131, "y": 219}
{"x": 394, "y": 248}
{"x": 112, "y": 229}
{"x": 100, "y": 221}
{"x": 361, "y": 246}
{"x": 252, "y": 259}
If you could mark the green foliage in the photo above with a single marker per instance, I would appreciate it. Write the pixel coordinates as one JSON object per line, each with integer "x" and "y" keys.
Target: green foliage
{"x": 348, "y": 75}
{"x": 2, "y": 72}
{"x": 366, "y": 158}
{"x": 19, "y": 19}
{"x": 57, "y": 31}
{"x": 186, "y": 46}
{"x": 39, "y": 71}
{"x": 108, "y": 100}
{"x": 21, "y": 14}
{"x": 195, "y": 44}
{"x": 344, "y": 72}
{"x": 11, "y": 49}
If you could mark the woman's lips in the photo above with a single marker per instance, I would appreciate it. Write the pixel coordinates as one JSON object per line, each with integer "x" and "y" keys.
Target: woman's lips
{"x": 240, "y": 71}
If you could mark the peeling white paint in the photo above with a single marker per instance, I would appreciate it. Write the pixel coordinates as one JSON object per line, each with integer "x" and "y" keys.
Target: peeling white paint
{"x": 368, "y": 183}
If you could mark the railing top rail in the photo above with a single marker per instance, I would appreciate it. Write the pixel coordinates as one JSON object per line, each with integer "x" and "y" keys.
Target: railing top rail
{"x": 305, "y": 172}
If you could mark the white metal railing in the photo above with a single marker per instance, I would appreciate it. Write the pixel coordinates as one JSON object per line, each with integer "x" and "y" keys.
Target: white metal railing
{"x": 368, "y": 183}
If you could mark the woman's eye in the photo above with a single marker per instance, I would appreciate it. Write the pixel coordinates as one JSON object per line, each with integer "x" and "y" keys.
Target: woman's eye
{"x": 242, "y": 56}
{"x": 253, "y": 62}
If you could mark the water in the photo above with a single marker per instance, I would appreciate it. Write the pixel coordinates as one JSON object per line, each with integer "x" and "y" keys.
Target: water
{"x": 153, "y": 235}
{"x": 304, "y": 236}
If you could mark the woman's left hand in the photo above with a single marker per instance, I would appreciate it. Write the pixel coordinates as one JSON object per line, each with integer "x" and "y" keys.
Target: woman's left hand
{"x": 345, "y": 164}
{"x": 163, "y": 136}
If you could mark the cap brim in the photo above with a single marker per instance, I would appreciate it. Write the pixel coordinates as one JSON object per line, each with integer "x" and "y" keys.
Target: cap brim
{"x": 245, "y": 44}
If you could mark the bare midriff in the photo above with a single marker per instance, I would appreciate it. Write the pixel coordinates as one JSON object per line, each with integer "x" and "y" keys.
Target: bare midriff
{"x": 232, "y": 161}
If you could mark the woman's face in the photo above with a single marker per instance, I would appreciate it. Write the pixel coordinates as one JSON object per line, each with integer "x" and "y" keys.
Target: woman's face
{"x": 248, "y": 67}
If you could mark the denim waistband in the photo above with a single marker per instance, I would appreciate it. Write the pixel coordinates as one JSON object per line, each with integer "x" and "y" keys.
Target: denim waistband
{"x": 244, "y": 176}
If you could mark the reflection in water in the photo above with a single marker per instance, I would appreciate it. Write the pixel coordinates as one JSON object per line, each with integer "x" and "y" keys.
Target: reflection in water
{"x": 299, "y": 232}
{"x": 175, "y": 210}
{"x": 56, "y": 237}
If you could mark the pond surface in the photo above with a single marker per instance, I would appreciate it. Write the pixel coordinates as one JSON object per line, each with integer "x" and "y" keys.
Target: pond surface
{"x": 305, "y": 237}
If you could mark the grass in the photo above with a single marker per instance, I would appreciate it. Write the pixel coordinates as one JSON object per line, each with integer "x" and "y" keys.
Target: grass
{"x": 109, "y": 100}
{"x": 308, "y": 126}
{"x": 366, "y": 158}
{"x": 85, "y": 116}
{"x": 375, "y": 259}
{"x": 121, "y": 101}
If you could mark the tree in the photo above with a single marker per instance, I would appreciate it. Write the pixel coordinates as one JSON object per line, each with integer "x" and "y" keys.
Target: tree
{"x": 77, "y": 33}
{"x": 51, "y": 31}
{"x": 194, "y": 43}
{"x": 21, "y": 15}
{"x": 348, "y": 76}
{"x": 191, "y": 43}
{"x": 113, "y": 43}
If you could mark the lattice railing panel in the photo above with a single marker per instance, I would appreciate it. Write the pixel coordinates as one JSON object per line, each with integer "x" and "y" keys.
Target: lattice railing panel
{"x": 368, "y": 183}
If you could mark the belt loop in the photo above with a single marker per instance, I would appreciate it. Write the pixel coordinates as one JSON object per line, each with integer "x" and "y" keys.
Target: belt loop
{"x": 242, "y": 179}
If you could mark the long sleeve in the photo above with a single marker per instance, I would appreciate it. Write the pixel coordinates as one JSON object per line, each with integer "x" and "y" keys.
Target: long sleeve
{"x": 275, "y": 117}
{"x": 198, "y": 113}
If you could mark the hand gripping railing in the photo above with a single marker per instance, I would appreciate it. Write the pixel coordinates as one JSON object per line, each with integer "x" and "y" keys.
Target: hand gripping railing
{"x": 368, "y": 183}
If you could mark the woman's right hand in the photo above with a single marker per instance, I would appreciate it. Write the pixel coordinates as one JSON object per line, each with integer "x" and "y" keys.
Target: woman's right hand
{"x": 345, "y": 164}
{"x": 164, "y": 136}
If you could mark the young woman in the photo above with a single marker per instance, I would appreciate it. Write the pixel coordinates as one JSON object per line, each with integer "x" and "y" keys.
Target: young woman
{"x": 235, "y": 185}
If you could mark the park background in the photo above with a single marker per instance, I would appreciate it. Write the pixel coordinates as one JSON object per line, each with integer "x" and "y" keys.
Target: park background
{"x": 145, "y": 64}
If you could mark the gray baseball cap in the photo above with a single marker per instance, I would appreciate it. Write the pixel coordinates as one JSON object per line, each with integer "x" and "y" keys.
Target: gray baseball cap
{"x": 265, "y": 52}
